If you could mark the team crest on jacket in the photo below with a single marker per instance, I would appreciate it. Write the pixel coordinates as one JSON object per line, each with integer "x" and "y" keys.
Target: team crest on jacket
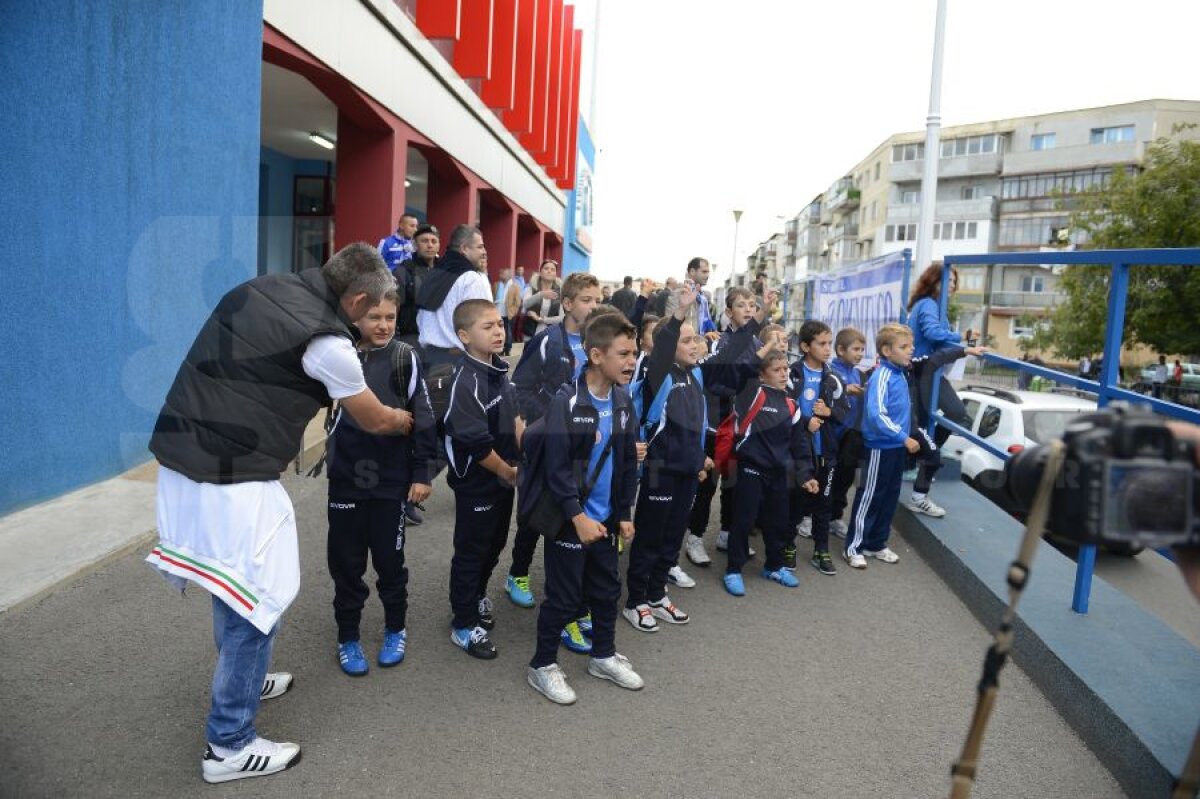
{"x": 810, "y": 394}
{"x": 624, "y": 419}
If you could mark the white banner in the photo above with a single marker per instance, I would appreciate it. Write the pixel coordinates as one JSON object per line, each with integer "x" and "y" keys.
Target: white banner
{"x": 864, "y": 296}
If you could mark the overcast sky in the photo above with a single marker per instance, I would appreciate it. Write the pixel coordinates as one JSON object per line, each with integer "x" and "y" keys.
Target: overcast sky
{"x": 705, "y": 106}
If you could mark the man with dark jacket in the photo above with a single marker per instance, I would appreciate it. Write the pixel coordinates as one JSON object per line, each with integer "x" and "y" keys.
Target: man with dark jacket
{"x": 410, "y": 275}
{"x": 274, "y": 351}
{"x": 624, "y": 297}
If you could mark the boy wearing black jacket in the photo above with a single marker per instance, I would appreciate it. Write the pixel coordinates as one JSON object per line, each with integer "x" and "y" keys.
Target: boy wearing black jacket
{"x": 551, "y": 359}
{"x": 584, "y": 453}
{"x": 773, "y": 453}
{"x": 674, "y": 426}
{"x": 371, "y": 479}
{"x": 483, "y": 434}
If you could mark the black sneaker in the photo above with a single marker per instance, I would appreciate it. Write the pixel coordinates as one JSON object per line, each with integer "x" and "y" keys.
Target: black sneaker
{"x": 789, "y": 557}
{"x": 412, "y": 511}
{"x": 487, "y": 619}
{"x": 474, "y": 642}
{"x": 822, "y": 563}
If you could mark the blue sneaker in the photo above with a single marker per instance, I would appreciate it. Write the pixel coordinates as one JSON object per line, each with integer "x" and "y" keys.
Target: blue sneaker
{"x": 518, "y": 591}
{"x": 354, "y": 662}
{"x": 573, "y": 639}
{"x": 585, "y": 625}
{"x": 392, "y": 651}
{"x": 735, "y": 585}
{"x": 781, "y": 576}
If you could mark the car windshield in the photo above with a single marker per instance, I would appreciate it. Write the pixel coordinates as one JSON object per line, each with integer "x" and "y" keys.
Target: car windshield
{"x": 1043, "y": 426}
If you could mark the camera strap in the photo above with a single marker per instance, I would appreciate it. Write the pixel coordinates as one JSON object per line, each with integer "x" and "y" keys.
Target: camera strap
{"x": 964, "y": 769}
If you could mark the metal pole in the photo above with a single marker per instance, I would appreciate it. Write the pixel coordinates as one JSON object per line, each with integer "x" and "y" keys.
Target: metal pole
{"x": 737, "y": 219}
{"x": 933, "y": 124}
{"x": 1118, "y": 289}
{"x": 904, "y": 284}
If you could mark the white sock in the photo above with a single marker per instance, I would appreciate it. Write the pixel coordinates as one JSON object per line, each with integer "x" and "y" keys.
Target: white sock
{"x": 917, "y": 496}
{"x": 223, "y": 752}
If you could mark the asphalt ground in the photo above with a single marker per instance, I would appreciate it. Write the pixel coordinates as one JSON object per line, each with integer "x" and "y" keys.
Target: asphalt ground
{"x": 859, "y": 685}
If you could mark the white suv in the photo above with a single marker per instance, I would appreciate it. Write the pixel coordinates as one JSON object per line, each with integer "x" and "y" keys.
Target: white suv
{"x": 1010, "y": 421}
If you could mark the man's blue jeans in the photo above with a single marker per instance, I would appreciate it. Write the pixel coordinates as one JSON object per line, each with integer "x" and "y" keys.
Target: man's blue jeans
{"x": 243, "y": 654}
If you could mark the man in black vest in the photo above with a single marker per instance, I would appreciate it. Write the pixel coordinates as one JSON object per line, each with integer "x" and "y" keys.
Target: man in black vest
{"x": 275, "y": 350}
{"x": 410, "y": 276}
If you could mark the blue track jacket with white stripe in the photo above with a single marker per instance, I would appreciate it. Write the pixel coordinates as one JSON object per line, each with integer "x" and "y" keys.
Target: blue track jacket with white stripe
{"x": 887, "y": 411}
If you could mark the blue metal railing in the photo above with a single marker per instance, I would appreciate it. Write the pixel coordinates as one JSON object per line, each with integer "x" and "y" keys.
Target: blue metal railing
{"x": 1106, "y": 388}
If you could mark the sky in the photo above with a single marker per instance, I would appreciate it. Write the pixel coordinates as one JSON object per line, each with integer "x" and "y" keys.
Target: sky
{"x": 702, "y": 107}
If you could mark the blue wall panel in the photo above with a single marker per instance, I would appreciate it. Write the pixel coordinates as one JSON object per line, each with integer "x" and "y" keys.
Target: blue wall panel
{"x": 575, "y": 257}
{"x": 129, "y": 206}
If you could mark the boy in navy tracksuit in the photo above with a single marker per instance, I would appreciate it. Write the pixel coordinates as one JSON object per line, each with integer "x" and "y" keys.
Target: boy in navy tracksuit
{"x": 371, "y": 478}
{"x": 483, "y": 433}
{"x": 773, "y": 451}
{"x": 584, "y": 453}
{"x": 674, "y": 425}
{"x": 551, "y": 359}
{"x": 888, "y": 441}
{"x": 822, "y": 400}
{"x": 849, "y": 346}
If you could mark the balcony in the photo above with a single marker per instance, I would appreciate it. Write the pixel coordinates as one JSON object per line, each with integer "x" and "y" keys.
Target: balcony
{"x": 1027, "y": 299}
{"x": 959, "y": 166}
{"x": 1081, "y": 156}
{"x": 949, "y": 210}
{"x": 844, "y": 200}
{"x": 848, "y": 230}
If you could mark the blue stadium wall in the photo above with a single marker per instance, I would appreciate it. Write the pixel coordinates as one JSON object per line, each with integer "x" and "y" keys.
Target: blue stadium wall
{"x": 129, "y": 207}
{"x": 576, "y": 258}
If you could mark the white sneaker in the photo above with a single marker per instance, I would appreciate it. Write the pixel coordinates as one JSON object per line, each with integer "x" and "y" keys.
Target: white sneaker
{"x": 723, "y": 541}
{"x": 856, "y": 561}
{"x": 260, "y": 758}
{"x": 837, "y": 528}
{"x": 677, "y": 576}
{"x": 550, "y": 682}
{"x": 618, "y": 669}
{"x": 885, "y": 554}
{"x": 641, "y": 618}
{"x": 805, "y": 528}
{"x": 696, "y": 552}
{"x": 276, "y": 684}
{"x": 928, "y": 507}
{"x": 665, "y": 609}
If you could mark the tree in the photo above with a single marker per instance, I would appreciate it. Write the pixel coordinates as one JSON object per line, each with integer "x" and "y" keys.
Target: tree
{"x": 1156, "y": 207}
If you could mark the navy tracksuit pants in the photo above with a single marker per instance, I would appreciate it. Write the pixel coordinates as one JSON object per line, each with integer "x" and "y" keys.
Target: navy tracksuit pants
{"x": 481, "y": 520}
{"x": 876, "y": 500}
{"x": 759, "y": 494}
{"x": 579, "y": 575}
{"x": 660, "y": 520}
{"x": 356, "y": 527}
{"x": 819, "y": 505}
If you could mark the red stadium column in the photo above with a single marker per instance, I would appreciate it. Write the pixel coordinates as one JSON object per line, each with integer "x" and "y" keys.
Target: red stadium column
{"x": 558, "y": 83}
{"x": 499, "y": 88}
{"x": 440, "y": 19}
{"x": 498, "y": 223}
{"x": 535, "y": 141}
{"x": 520, "y": 119}
{"x": 370, "y": 182}
{"x": 529, "y": 244}
{"x": 453, "y": 194}
{"x": 565, "y": 164}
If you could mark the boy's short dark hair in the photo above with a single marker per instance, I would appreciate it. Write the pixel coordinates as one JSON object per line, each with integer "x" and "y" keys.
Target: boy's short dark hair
{"x": 603, "y": 328}
{"x": 649, "y": 322}
{"x": 468, "y": 312}
{"x": 847, "y": 337}
{"x": 577, "y": 282}
{"x": 890, "y": 333}
{"x": 811, "y": 329}
{"x": 736, "y": 292}
{"x": 769, "y": 360}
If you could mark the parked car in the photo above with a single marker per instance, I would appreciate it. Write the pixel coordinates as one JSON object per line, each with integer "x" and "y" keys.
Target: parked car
{"x": 1190, "y": 384}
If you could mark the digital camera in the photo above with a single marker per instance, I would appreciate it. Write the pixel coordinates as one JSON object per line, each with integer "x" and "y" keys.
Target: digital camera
{"x": 1126, "y": 482}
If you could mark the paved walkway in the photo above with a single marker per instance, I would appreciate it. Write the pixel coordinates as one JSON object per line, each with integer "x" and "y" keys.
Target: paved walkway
{"x": 859, "y": 685}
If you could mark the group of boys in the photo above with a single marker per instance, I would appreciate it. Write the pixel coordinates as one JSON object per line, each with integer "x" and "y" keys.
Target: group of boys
{"x": 610, "y": 426}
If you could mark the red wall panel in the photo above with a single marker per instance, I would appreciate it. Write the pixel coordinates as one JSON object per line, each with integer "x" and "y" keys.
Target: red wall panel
{"x": 439, "y": 19}
{"x": 566, "y": 171}
{"x": 558, "y": 84}
{"x": 473, "y": 52}
{"x": 520, "y": 119}
{"x": 535, "y": 140}
{"x": 498, "y": 90}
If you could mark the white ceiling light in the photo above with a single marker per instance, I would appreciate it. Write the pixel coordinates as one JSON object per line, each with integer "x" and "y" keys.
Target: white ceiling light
{"x": 407, "y": 183}
{"x": 321, "y": 141}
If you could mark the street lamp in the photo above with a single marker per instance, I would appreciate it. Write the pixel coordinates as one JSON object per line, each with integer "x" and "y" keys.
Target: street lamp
{"x": 737, "y": 218}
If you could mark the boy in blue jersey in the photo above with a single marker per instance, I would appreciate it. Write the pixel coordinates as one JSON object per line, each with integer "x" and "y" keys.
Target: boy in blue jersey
{"x": 849, "y": 346}
{"x": 483, "y": 435}
{"x": 371, "y": 478}
{"x": 551, "y": 359}
{"x": 584, "y": 453}
{"x": 887, "y": 421}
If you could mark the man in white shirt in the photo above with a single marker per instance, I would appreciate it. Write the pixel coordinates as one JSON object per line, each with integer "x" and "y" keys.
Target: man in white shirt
{"x": 455, "y": 280}
{"x": 274, "y": 351}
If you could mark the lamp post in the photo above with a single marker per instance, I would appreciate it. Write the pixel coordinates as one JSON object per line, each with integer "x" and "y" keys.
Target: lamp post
{"x": 933, "y": 125}
{"x": 737, "y": 218}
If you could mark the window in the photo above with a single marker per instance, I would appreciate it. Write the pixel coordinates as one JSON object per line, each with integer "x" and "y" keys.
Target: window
{"x": 937, "y": 230}
{"x": 970, "y": 192}
{"x": 989, "y": 421}
{"x": 1033, "y": 283}
{"x": 1042, "y": 141}
{"x": 900, "y": 233}
{"x": 972, "y": 408}
{"x": 971, "y": 145}
{"x": 1042, "y": 427}
{"x": 910, "y": 197}
{"x": 1018, "y": 328}
{"x": 1111, "y": 135}
{"x": 972, "y": 230}
{"x": 877, "y": 170}
{"x": 874, "y": 207}
{"x": 1048, "y": 184}
{"x": 970, "y": 281}
{"x": 908, "y": 152}
{"x": 960, "y": 230}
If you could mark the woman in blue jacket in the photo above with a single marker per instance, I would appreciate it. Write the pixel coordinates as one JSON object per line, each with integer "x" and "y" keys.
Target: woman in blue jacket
{"x": 931, "y": 333}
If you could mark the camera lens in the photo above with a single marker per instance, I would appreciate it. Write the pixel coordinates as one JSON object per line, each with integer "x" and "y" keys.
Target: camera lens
{"x": 1022, "y": 473}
